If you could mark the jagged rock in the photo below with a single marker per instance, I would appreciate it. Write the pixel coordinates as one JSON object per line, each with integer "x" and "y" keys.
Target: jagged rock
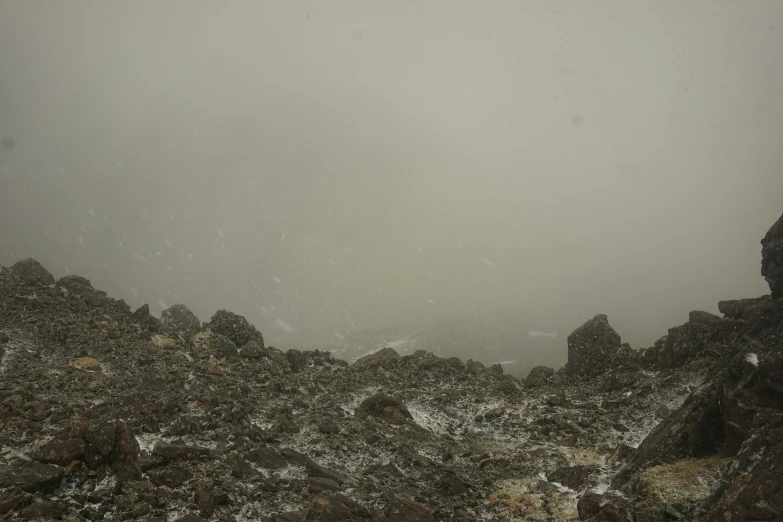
{"x": 235, "y": 327}
{"x": 627, "y": 358}
{"x": 744, "y": 309}
{"x": 385, "y": 407}
{"x": 4, "y": 337}
{"x": 143, "y": 317}
{"x": 297, "y": 359}
{"x": 31, "y": 273}
{"x": 31, "y": 477}
{"x": 382, "y": 357}
{"x": 772, "y": 258}
{"x": 592, "y": 347}
{"x": 177, "y": 319}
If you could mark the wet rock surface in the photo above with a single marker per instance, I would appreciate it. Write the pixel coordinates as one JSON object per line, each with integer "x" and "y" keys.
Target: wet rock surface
{"x": 177, "y": 420}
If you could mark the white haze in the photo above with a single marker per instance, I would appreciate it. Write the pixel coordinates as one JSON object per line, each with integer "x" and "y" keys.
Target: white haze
{"x": 325, "y": 168}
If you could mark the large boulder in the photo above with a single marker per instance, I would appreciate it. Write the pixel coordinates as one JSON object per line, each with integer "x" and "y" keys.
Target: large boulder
{"x": 385, "y": 407}
{"x": 179, "y": 320}
{"x": 772, "y": 258}
{"x": 31, "y": 273}
{"x": 592, "y": 347}
{"x": 539, "y": 376}
{"x": 235, "y": 327}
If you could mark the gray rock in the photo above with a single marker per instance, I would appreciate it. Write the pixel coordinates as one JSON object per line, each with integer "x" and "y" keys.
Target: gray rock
{"x": 772, "y": 258}
{"x": 177, "y": 319}
{"x": 592, "y": 347}
{"x": 539, "y": 376}
{"x": 235, "y": 327}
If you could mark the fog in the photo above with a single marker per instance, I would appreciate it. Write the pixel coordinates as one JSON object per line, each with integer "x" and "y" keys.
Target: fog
{"x": 329, "y": 167}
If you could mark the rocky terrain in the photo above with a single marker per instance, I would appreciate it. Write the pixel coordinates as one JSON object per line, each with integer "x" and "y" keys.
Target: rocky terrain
{"x": 112, "y": 414}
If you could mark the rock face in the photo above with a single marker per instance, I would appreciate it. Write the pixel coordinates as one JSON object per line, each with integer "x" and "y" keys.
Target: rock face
{"x": 772, "y": 258}
{"x": 592, "y": 347}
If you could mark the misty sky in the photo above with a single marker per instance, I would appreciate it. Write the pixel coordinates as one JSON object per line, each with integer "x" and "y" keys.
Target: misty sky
{"x": 321, "y": 166}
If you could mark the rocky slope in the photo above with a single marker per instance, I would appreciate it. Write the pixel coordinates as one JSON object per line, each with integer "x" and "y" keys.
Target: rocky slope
{"x": 112, "y": 414}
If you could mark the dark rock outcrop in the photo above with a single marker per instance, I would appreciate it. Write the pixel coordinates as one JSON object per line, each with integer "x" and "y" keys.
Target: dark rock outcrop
{"x": 235, "y": 327}
{"x": 772, "y": 258}
{"x": 592, "y": 347}
{"x": 538, "y": 376}
{"x": 179, "y": 320}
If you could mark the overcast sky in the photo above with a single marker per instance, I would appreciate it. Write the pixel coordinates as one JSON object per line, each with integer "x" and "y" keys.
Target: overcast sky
{"x": 321, "y": 166}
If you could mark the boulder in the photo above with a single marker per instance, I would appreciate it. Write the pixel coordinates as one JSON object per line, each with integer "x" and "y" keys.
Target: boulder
{"x": 592, "y": 347}
{"x": 235, "y": 327}
{"x": 75, "y": 284}
{"x": 382, "y": 357}
{"x": 31, "y": 477}
{"x": 385, "y": 407}
{"x": 539, "y": 376}
{"x": 208, "y": 343}
{"x": 31, "y": 273}
{"x": 143, "y": 317}
{"x": 177, "y": 319}
{"x": 772, "y": 258}
{"x": 297, "y": 359}
{"x": 703, "y": 335}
